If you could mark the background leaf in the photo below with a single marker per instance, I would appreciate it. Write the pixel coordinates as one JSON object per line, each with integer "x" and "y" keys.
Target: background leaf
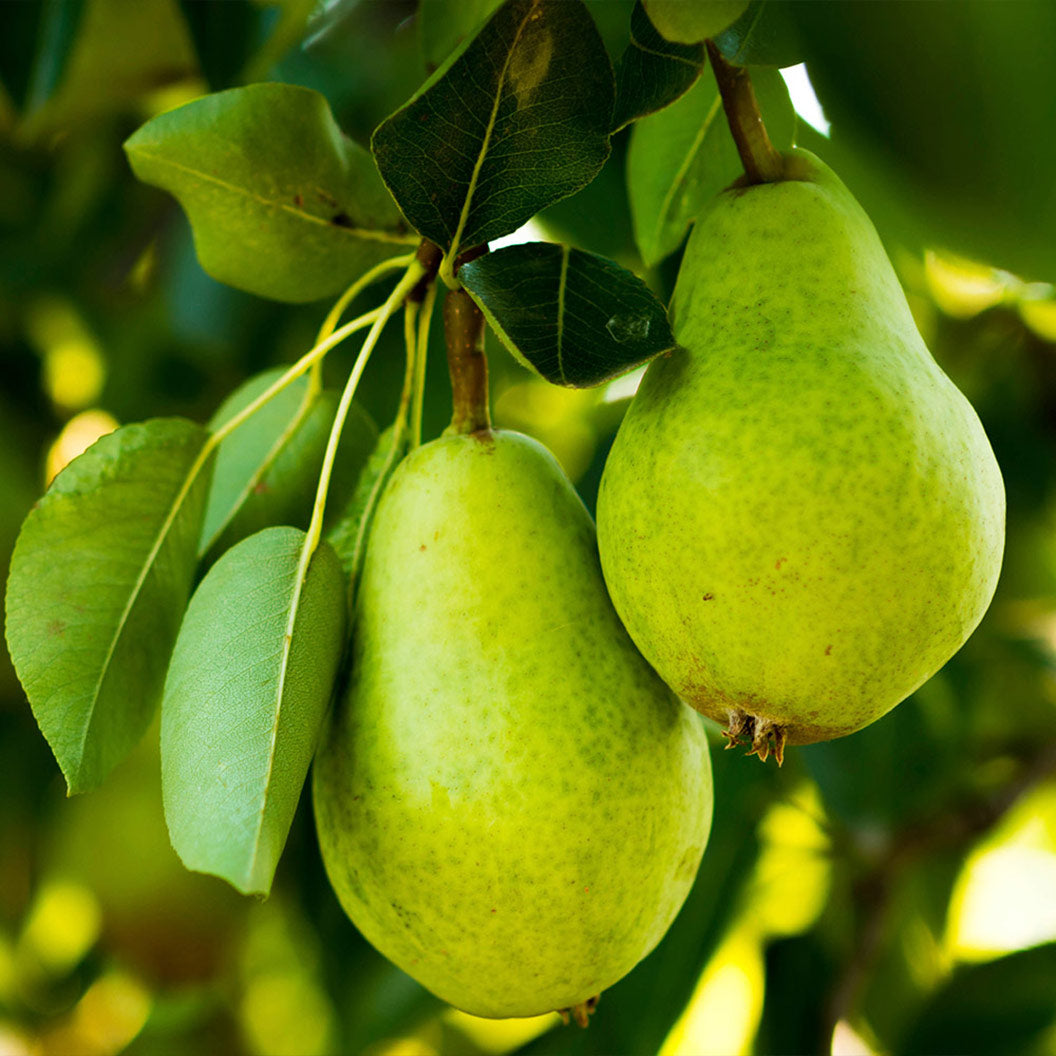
{"x": 281, "y": 203}
{"x": 267, "y": 469}
{"x": 516, "y": 121}
{"x": 249, "y": 684}
{"x": 765, "y": 35}
{"x": 445, "y": 24}
{"x": 690, "y": 21}
{"x": 1001, "y": 1009}
{"x": 349, "y": 533}
{"x": 575, "y": 318}
{"x": 652, "y": 72}
{"x": 683, "y": 156}
{"x": 99, "y": 580}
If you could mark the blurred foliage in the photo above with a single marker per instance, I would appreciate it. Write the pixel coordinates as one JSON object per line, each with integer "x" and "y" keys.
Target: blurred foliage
{"x": 889, "y": 892}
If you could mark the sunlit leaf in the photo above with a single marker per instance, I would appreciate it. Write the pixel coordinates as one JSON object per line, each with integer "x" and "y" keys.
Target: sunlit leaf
{"x": 281, "y": 203}
{"x": 250, "y": 681}
{"x": 683, "y": 156}
{"x": 575, "y": 318}
{"x": 99, "y": 580}
{"x": 515, "y": 121}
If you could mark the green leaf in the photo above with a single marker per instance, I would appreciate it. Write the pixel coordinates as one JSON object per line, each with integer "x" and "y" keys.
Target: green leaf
{"x": 653, "y": 72}
{"x": 690, "y": 21}
{"x": 349, "y": 534}
{"x": 248, "y": 687}
{"x": 120, "y": 51}
{"x": 281, "y": 203}
{"x": 445, "y": 24}
{"x": 765, "y": 35}
{"x": 99, "y": 581}
{"x": 1002, "y": 1008}
{"x": 574, "y": 318}
{"x": 513, "y": 122}
{"x": 683, "y": 156}
{"x": 268, "y": 468}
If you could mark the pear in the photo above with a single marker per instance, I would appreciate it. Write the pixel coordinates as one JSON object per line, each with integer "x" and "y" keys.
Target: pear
{"x": 801, "y": 518}
{"x": 511, "y": 805}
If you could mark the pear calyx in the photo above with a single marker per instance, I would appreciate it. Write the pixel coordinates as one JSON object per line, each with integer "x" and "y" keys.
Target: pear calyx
{"x": 764, "y": 735}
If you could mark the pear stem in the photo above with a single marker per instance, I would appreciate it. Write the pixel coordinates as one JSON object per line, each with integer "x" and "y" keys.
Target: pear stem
{"x": 762, "y": 163}
{"x": 464, "y": 335}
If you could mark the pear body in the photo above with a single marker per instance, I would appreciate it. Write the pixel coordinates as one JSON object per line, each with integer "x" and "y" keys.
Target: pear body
{"x": 511, "y": 805}
{"x": 801, "y": 518}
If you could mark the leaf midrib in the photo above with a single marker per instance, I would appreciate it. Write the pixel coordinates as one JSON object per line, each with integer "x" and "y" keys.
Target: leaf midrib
{"x": 367, "y": 234}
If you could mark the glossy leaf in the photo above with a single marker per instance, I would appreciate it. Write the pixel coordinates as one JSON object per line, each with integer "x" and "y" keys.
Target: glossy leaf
{"x": 515, "y": 121}
{"x": 248, "y": 687}
{"x": 349, "y": 534}
{"x": 281, "y": 203}
{"x": 765, "y": 35}
{"x": 268, "y": 468}
{"x": 1001, "y": 1008}
{"x": 444, "y": 25}
{"x": 652, "y": 72}
{"x": 574, "y": 318}
{"x": 99, "y": 581}
{"x": 683, "y": 156}
{"x": 691, "y": 21}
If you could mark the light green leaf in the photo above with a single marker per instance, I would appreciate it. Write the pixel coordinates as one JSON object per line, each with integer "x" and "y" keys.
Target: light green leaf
{"x": 512, "y": 123}
{"x": 267, "y": 469}
{"x": 248, "y": 687}
{"x": 349, "y": 534}
{"x": 574, "y": 318}
{"x": 99, "y": 581}
{"x": 691, "y": 21}
{"x": 680, "y": 158}
{"x": 281, "y": 203}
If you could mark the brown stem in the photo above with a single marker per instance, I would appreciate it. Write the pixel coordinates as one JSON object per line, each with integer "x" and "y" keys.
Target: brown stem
{"x": 464, "y": 334}
{"x": 762, "y": 163}
{"x": 429, "y": 256}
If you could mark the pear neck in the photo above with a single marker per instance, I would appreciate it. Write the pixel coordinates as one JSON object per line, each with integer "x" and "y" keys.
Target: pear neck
{"x": 466, "y": 363}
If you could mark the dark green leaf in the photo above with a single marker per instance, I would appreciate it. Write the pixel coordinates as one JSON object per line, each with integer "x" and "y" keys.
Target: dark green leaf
{"x": 1001, "y": 1008}
{"x": 765, "y": 35}
{"x": 653, "y": 72}
{"x": 683, "y": 156}
{"x": 349, "y": 534}
{"x": 99, "y": 580}
{"x": 445, "y": 24}
{"x": 517, "y": 120}
{"x": 247, "y": 690}
{"x": 690, "y": 21}
{"x": 268, "y": 468}
{"x": 574, "y": 318}
{"x": 120, "y": 51}
{"x": 281, "y": 203}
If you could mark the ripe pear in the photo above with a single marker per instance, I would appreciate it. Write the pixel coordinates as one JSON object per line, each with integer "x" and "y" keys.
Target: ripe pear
{"x": 511, "y": 805}
{"x": 801, "y": 518}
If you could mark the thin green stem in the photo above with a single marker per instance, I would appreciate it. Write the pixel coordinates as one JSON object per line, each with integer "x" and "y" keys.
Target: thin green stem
{"x": 421, "y": 355}
{"x": 338, "y": 309}
{"x": 315, "y": 528}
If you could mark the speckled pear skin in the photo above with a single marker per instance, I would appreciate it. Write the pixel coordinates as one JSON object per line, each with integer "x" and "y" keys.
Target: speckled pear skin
{"x": 801, "y": 518}
{"x": 511, "y": 805}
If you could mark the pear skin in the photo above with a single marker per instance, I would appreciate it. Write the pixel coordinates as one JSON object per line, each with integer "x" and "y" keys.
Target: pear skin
{"x": 511, "y": 805}
{"x": 801, "y": 519}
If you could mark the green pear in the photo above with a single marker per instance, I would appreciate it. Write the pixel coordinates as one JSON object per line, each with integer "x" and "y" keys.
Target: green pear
{"x": 511, "y": 805}
{"x": 801, "y": 518}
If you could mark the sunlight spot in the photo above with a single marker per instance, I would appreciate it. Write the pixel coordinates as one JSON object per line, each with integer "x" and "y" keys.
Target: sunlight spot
{"x": 77, "y": 436}
{"x": 623, "y": 388}
{"x": 804, "y": 98}
{"x": 62, "y": 927}
{"x": 846, "y": 1042}
{"x": 500, "y": 1036}
{"x": 527, "y": 232}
